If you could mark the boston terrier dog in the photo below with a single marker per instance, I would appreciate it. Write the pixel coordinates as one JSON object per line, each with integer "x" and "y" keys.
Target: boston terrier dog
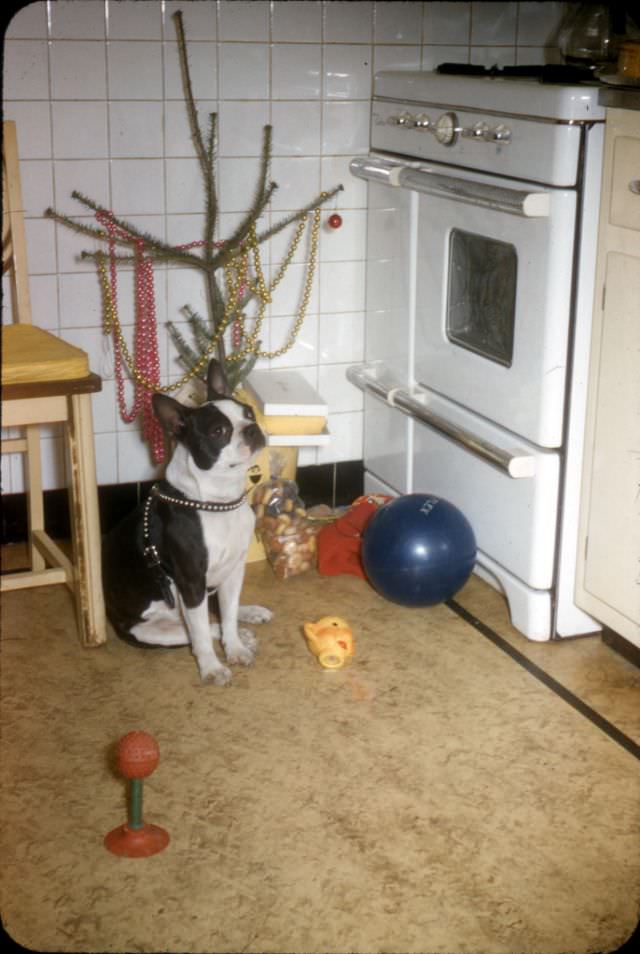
{"x": 190, "y": 538}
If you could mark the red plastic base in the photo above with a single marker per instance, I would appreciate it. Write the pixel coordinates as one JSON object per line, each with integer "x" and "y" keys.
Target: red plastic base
{"x": 136, "y": 842}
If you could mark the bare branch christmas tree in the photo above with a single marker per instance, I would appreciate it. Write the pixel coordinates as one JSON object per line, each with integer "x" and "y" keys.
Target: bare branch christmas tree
{"x": 226, "y": 332}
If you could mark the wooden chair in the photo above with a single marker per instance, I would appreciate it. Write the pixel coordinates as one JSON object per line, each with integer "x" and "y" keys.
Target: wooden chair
{"x": 45, "y": 380}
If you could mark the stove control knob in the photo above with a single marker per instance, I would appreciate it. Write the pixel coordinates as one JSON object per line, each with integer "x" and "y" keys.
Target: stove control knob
{"x": 405, "y": 120}
{"x": 423, "y": 123}
{"x": 499, "y": 133}
{"x": 446, "y": 129}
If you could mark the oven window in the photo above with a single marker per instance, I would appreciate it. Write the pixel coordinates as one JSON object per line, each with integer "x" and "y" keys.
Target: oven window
{"x": 481, "y": 295}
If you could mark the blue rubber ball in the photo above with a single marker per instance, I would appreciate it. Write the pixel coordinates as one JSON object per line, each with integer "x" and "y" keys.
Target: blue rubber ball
{"x": 418, "y": 550}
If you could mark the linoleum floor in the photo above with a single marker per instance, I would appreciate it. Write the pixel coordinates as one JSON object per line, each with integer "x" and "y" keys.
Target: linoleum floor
{"x": 434, "y": 796}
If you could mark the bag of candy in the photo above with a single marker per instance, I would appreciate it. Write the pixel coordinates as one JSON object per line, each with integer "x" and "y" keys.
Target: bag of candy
{"x": 288, "y": 536}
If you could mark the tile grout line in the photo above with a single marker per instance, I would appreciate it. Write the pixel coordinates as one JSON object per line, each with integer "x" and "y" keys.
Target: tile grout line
{"x": 574, "y": 701}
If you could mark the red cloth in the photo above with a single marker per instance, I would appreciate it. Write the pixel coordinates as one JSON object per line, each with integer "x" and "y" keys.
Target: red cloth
{"x": 339, "y": 543}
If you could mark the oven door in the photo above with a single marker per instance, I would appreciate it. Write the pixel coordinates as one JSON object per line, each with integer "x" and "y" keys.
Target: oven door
{"x": 493, "y": 296}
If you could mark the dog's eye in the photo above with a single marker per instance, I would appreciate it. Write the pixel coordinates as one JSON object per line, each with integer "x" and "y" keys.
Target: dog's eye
{"x": 248, "y": 412}
{"x": 220, "y": 430}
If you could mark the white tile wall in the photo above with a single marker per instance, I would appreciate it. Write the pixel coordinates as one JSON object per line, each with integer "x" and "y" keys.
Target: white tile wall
{"x": 95, "y": 89}
{"x": 493, "y": 24}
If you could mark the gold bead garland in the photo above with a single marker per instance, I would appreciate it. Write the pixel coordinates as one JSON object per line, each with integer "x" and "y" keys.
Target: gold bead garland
{"x": 236, "y": 278}
{"x": 265, "y": 294}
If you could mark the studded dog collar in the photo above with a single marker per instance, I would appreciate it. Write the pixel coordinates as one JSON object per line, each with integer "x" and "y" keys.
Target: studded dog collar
{"x": 210, "y": 505}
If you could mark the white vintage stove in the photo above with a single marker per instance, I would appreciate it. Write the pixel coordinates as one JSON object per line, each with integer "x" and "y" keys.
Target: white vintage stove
{"x": 482, "y": 221}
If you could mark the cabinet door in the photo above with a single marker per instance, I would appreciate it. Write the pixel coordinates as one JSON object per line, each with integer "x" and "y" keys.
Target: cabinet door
{"x": 612, "y": 558}
{"x": 608, "y": 578}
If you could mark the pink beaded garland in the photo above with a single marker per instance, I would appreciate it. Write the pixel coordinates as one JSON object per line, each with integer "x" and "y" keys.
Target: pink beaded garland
{"x": 145, "y": 338}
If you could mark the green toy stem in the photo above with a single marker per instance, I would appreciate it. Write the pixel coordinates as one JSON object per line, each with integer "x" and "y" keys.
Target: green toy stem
{"x": 135, "y": 804}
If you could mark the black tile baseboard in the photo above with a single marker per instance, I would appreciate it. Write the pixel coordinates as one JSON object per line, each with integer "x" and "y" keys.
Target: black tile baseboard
{"x": 333, "y": 484}
{"x": 14, "y": 516}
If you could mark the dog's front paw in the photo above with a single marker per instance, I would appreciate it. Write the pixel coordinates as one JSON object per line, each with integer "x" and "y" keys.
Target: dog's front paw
{"x": 242, "y": 652}
{"x": 254, "y": 614}
{"x": 212, "y": 672}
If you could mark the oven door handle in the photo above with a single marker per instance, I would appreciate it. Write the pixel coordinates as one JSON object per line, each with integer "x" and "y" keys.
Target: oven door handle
{"x": 517, "y": 464}
{"x": 373, "y": 169}
{"x": 498, "y": 198}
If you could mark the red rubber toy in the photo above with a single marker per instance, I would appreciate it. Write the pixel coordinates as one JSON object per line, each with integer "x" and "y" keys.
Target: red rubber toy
{"x": 138, "y": 756}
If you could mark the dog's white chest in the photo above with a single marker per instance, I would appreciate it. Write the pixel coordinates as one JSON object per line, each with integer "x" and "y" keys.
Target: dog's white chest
{"x": 226, "y": 537}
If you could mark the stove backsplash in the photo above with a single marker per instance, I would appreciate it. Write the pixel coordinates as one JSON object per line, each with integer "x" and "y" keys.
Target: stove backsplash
{"x": 95, "y": 91}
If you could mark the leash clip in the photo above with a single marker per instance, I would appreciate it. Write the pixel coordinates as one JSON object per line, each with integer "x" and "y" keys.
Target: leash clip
{"x": 151, "y": 556}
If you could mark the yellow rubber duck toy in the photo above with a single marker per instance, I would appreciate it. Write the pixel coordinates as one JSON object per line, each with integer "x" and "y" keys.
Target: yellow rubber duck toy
{"x": 331, "y": 640}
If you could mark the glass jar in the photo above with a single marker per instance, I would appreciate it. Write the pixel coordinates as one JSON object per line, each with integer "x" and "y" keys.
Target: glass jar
{"x": 586, "y": 39}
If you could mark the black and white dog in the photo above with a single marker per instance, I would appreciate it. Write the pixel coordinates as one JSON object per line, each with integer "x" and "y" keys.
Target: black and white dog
{"x": 190, "y": 537}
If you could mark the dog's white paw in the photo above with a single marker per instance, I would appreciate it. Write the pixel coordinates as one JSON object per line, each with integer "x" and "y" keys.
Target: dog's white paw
{"x": 213, "y": 672}
{"x": 254, "y": 614}
{"x": 249, "y": 640}
{"x": 241, "y": 652}
{"x": 217, "y": 677}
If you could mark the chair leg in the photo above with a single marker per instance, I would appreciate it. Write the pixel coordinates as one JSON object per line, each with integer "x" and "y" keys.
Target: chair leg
{"x": 85, "y": 522}
{"x": 35, "y": 499}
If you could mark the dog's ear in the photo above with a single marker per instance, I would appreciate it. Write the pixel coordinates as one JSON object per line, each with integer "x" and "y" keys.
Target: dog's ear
{"x": 171, "y": 414}
{"x": 217, "y": 385}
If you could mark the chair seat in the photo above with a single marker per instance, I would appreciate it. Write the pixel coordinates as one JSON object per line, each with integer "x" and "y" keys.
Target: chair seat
{"x": 31, "y": 355}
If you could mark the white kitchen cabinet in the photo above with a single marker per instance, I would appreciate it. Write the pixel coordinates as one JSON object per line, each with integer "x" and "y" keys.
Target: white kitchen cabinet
{"x": 608, "y": 577}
